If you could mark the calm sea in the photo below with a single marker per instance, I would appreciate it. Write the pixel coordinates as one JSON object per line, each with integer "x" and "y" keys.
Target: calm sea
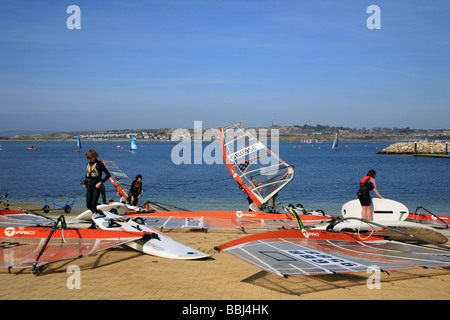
{"x": 324, "y": 179}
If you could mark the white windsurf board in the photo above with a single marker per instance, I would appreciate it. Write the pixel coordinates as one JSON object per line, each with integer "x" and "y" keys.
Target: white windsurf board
{"x": 119, "y": 207}
{"x": 382, "y": 210}
{"x": 159, "y": 243}
{"x": 365, "y": 230}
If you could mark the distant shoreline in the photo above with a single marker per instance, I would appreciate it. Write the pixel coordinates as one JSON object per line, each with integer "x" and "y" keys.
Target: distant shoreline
{"x": 290, "y": 139}
{"x": 297, "y": 133}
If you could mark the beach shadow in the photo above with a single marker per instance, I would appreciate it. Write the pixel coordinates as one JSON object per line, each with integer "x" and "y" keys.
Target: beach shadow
{"x": 94, "y": 261}
{"x": 305, "y": 284}
{"x": 301, "y": 285}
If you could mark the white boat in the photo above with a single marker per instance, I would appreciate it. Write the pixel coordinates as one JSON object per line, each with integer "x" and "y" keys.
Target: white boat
{"x": 79, "y": 147}
{"x": 335, "y": 142}
{"x": 133, "y": 144}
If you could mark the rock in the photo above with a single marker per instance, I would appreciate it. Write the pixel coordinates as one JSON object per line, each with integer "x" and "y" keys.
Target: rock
{"x": 410, "y": 148}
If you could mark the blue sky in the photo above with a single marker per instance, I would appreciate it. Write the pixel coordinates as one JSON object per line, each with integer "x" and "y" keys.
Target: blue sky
{"x": 166, "y": 63}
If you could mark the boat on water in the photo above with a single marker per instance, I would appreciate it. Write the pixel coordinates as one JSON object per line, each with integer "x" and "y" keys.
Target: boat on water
{"x": 31, "y": 148}
{"x": 335, "y": 142}
{"x": 133, "y": 147}
{"x": 79, "y": 147}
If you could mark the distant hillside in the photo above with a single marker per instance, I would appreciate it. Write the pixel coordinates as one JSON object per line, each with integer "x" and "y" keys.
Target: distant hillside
{"x": 14, "y": 133}
{"x": 290, "y": 133}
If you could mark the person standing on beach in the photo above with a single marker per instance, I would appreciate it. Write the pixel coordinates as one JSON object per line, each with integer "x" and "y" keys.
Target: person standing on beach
{"x": 365, "y": 186}
{"x": 94, "y": 181}
{"x": 135, "y": 190}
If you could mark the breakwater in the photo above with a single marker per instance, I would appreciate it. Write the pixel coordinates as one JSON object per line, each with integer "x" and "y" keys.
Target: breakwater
{"x": 417, "y": 148}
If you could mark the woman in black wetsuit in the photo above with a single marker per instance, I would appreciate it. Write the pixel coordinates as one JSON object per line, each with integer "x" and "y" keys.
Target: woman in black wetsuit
{"x": 94, "y": 180}
{"x": 365, "y": 186}
{"x": 135, "y": 190}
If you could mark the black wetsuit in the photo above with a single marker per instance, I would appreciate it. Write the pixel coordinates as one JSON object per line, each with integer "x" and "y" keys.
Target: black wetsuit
{"x": 365, "y": 186}
{"x": 135, "y": 191}
{"x": 94, "y": 172}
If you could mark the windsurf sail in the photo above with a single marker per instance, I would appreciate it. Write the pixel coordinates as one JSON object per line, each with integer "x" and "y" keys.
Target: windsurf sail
{"x": 133, "y": 144}
{"x": 13, "y": 218}
{"x": 335, "y": 142}
{"x": 22, "y": 246}
{"x": 118, "y": 178}
{"x": 226, "y": 219}
{"x": 432, "y": 219}
{"x": 79, "y": 147}
{"x": 258, "y": 170}
{"x": 314, "y": 252}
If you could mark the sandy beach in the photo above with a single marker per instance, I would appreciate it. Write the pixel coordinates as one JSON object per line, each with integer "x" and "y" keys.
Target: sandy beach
{"x": 122, "y": 273}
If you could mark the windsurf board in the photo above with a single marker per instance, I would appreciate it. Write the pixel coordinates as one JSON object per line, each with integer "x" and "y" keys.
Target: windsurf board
{"x": 365, "y": 230}
{"x": 119, "y": 207}
{"x": 159, "y": 244}
{"x": 382, "y": 210}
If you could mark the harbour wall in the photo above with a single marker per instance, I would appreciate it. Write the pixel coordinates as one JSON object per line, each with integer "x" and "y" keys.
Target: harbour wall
{"x": 418, "y": 148}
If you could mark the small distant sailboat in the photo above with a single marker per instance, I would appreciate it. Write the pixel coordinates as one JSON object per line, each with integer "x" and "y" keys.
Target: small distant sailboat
{"x": 79, "y": 147}
{"x": 335, "y": 142}
{"x": 133, "y": 144}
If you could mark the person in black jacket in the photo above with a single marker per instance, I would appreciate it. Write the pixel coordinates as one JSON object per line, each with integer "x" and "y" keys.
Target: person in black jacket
{"x": 135, "y": 190}
{"x": 94, "y": 181}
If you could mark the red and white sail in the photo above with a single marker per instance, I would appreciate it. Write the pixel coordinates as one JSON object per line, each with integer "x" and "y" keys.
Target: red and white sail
{"x": 258, "y": 170}
{"x": 21, "y": 245}
{"x": 314, "y": 252}
{"x": 118, "y": 178}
